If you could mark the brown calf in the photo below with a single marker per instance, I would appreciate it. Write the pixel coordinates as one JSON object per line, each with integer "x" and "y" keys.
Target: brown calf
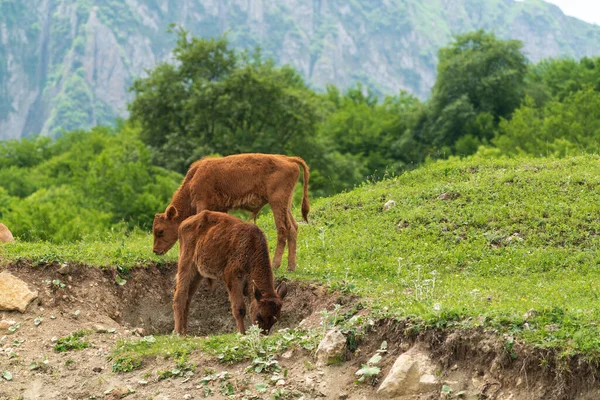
{"x": 5, "y": 234}
{"x": 244, "y": 181}
{"x": 215, "y": 245}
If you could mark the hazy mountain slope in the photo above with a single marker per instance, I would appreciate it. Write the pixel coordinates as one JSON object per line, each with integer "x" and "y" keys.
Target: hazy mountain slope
{"x": 67, "y": 64}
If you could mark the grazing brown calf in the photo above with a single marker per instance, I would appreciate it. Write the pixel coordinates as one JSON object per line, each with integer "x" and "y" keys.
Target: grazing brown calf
{"x": 243, "y": 181}
{"x": 5, "y": 234}
{"x": 215, "y": 245}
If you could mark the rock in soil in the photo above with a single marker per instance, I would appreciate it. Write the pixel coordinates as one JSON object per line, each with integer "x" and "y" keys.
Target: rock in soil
{"x": 14, "y": 293}
{"x": 331, "y": 349}
{"x": 413, "y": 373}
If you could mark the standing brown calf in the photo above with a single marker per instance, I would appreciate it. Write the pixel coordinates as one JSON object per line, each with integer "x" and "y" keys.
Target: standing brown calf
{"x": 244, "y": 181}
{"x": 215, "y": 245}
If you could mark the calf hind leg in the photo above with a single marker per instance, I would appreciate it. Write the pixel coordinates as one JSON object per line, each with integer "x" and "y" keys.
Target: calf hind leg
{"x": 292, "y": 236}
{"x": 280, "y": 216}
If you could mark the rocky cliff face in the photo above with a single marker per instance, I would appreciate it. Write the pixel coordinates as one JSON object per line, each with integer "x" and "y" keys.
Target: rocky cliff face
{"x": 67, "y": 64}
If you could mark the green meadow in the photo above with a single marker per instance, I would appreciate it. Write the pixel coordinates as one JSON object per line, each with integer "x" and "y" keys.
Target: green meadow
{"x": 510, "y": 245}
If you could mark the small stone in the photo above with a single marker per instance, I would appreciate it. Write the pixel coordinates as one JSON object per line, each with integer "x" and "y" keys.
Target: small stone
{"x": 288, "y": 354}
{"x": 139, "y": 331}
{"x": 99, "y": 328}
{"x": 5, "y": 324}
{"x": 389, "y": 204}
{"x": 448, "y": 196}
{"x": 454, "y": 367}
{"x": 65, "y": 269}
{"x": 14, "y": 293}
{"x": 309, "y": 382}
{"x": 343, "y": 396}
{"x": 97, "y": 369}
{"x": 404, "y": 346}
{"x": 519, "y": 382}
{"x": 280, "y": 382}
{"x": 54, "y": 339}
{"x": 529, "y": 314}
{"x": 402, "y": 225}
{"x": 187, "y": 396}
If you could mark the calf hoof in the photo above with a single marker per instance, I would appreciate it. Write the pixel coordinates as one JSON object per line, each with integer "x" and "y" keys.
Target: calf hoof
{"x": 276, "y": 265}
{"x": 291, "y": 268}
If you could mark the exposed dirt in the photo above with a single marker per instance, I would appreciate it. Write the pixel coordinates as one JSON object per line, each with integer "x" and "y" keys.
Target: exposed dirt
{"x": 475, "y": 363}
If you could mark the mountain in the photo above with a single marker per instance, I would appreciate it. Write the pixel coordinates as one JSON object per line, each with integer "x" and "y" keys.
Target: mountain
{"x": 67, "y": 64}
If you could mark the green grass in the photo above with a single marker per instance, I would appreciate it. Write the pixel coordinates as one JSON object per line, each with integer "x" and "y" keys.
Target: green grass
{"x": 512, "y": 236}
{"x": 116, "y": 250}
{"x": 130, "y": 354}
{"x": 72, "y": 342}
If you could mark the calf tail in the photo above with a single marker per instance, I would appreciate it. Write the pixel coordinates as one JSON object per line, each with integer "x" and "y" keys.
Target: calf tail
{"x": 306, "y": 174}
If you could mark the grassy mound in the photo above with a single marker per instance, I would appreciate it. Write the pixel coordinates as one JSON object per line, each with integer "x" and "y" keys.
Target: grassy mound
{"x": 505, "y": 244}
{"x": 509, "y": 244}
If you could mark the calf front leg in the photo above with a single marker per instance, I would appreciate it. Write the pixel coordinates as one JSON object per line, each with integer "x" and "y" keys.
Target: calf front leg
{"x": 235, "y": 288}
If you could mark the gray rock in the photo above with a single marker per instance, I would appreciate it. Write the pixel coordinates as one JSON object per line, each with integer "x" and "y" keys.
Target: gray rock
{"x": 331, "y": 349}
{"x": 99, "y": 328}
{"x": 14, "y": 293}
{"x": 389, "y": 204}
{"x": 413, "y": 373}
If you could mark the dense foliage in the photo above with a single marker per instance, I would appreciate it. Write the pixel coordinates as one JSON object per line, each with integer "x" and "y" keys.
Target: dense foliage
{"x": 215, "y": 100}
{"x": 84, "y": 183}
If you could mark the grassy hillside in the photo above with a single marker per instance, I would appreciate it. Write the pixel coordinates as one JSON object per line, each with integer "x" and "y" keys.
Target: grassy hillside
{"x": 507, "y": 244}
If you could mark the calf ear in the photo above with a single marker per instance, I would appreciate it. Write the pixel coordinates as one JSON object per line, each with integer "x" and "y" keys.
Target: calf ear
{"x": 257, "y": 294}
{"x": 171, "y": 212}
{"x": 282, "y": 290}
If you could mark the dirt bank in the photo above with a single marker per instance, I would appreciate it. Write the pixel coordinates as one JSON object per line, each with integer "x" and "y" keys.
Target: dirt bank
{"x": 474, "y": 365}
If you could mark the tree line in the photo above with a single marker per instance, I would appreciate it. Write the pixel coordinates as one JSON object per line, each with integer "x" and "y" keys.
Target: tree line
{"x": 214, "y": 100}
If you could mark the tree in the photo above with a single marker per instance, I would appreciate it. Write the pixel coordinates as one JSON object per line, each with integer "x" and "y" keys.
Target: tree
{"x": 559, "y": 128}
{"x": 478, "y": 73}
{"x": 213, "y": 100}
{"x": 559, "y": 78}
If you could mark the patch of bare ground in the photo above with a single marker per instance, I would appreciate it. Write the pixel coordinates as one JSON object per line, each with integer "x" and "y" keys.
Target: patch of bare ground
{"x": 471, "y": 364}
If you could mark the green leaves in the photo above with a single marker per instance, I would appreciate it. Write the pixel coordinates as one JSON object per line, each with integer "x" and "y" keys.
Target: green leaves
{"x": 477, "y": 74}
{"x": 218, "y": 101}
{"x": 72, "y": 342}
{"x": 559, "y": 128}
{"x": 120, "y": 281}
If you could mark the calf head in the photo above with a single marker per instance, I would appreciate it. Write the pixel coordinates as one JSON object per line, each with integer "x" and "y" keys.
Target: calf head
{"x": 267, "y": 310}
{"x": 165, "y": 230}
